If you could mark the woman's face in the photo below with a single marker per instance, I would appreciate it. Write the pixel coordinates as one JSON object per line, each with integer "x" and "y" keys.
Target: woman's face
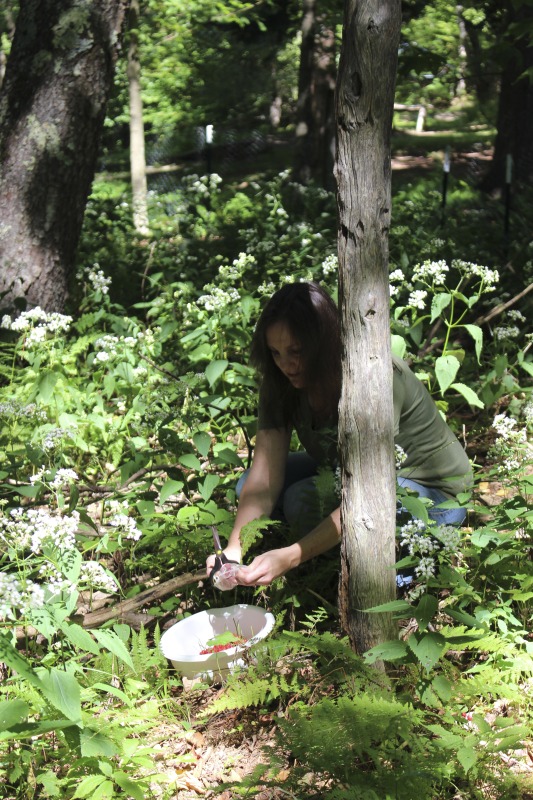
{"x": 287, "y": 353}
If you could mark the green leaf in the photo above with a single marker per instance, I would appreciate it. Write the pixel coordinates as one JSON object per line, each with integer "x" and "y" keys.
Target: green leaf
{"x": 388, "y": 651}
{"x": 46, "y": 386}
{"x": 209, "y": 485}
{"x": 226, "y": 455}
{"x": 438, "y": 304}
{"x": 169, "y": 488}
{"x": 80, "y": 638}
{"x": 446, "y": 368}
{"x": 62, "y": 690}
{"x": 442, "y": 688}
{"x": 215, "y": 370}
{"x": 94, "y": 744}
{"x": 106, "y": 791}
{"x": 129, "y": 786}
{"x": 469, "y": 395}
{"x": 26, "y": 730}
{"x": 111, "y": 642}
{"x": 427, "y": 648}
{"x": 465, "y": 619}
{"x": 69, "y": 562}
{"x": 398, "y": 345}
{"x": 425, "y": 610}
{"x": 190, "y": 461}
{"x": 88, "y": 785}
{"x": 467, "y": 757}
{"x": 12, "y": 712}
{"x": 26, "y": 491}
{"x": 394, "y": 605}
{"x": 50, "y": 783}
{"x": 125, "y": 371}
{"x": 12, "y": 658}
{"x": 477, "y": 335}
{"x": 202, "y": 442}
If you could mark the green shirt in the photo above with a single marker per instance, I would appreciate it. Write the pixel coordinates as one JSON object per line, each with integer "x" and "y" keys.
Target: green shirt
{"x": 435, "y": 456}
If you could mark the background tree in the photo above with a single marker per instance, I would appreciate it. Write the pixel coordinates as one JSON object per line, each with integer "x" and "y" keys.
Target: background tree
{"x": 514, "y": 54}
{"x": 365, "y": 99}
{"x": 315, "y": 128}
{"x": 52, "y": 107}
{"x": 139, "y": 187}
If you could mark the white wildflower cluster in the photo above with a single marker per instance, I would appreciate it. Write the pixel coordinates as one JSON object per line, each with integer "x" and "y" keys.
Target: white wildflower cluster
{"x": 527, "y": 412}
{"x": 100, "y": 283}
{"x": 36, "y": 528}
{"x": 54, "y": 438}
{"x": 37, "y": 324}
{"x": 397, "y": 275}
{"x": 489, "y": 277}
{"x": 234, "y": 271}
{"x": 330, "y": 265}
{"x": 106, "y": 348}
{"x": 506, "y": 428}
{"x": 428, "y": 544}
{"x": 516, "y": 315}
{"x": 417, "y": 299}
{"x": 266, "y": 288}
{"x": 449, "y": 537}
{"x": 416, "y": 537}
{"x": 109, "y": 347}
{"x": 18, "y": 596}
{"x": 219, "y": 298}
{"x": 61, "y": 477}
{"x": 121, "y": 521}
{"x": 94, "y": 574}
{"x": 54, "y": 580}
{"x": 206, "y": 184}
{"x": 504, "y": 333}
{"x": 280, "y": 211}
{"x": 400, "y": 455}
{"x": 510, "y": 451}
{"x": 433, "y": 272}
{"x": 15, "y": 410}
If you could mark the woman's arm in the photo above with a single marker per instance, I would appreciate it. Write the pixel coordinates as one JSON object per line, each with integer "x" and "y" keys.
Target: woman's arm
{"x": 270, "y": 565}
{"x": 262, "y": 487}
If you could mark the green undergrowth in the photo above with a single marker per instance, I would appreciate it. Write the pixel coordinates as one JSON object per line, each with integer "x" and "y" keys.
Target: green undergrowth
{"x": 125, "y": 427}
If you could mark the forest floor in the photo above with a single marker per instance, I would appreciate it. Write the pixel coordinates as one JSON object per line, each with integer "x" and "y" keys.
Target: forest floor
{"x": 211, "y": 755}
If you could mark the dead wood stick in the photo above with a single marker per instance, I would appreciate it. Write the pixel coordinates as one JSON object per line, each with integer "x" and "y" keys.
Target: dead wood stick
{"x": 503, "y": 306}
{"x": 96, "y": 618}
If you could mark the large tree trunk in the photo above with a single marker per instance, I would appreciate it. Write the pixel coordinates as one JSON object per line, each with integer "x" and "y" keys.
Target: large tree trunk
{"x": 139, "y": 186}
{"x": 52, "y": 109}
{"x": 515, "y": 108}
{"x": 365, "y": 99}
{"x": 315, "y": 128}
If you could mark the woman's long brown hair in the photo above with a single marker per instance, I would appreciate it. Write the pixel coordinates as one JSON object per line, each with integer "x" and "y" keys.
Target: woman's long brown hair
{"x": 313, "y": 320}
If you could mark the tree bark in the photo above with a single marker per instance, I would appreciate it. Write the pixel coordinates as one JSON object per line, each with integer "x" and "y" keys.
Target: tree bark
{"x": 315, "y": 128}
{"x": 365, "y": 98}
{"x": 52, "y": 108}
{"x": 139, "y": 185}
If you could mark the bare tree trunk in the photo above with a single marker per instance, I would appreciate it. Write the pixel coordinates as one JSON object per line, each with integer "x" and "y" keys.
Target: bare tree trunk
{"x": 365, "y": 98}
{"x": 515, "y": 106}
{"x": 315, "y": 129}
{"x": 139, "y": 186}
{"x": 52, "y": 108}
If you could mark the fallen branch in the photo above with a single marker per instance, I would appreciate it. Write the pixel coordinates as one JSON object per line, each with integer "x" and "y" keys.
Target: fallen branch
{"x": 121, "y": 610}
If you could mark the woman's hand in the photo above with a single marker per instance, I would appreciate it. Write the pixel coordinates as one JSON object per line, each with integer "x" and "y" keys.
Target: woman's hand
{"x": 266, "y": 568}
{"x": 231, "y": 553}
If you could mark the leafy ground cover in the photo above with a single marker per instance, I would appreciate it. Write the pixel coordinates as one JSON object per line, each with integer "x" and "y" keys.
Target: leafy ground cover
{"x": 125, "y": 427}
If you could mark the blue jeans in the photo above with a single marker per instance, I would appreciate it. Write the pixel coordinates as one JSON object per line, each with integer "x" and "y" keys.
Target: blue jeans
{"x": 299, "y": 503}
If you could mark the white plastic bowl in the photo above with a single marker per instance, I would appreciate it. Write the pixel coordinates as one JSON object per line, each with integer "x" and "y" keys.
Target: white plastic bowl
{"x": 182, "y": 643}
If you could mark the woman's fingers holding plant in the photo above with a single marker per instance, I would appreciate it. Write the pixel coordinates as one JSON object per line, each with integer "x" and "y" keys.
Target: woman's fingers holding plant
{"x": 265, "y": 568}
